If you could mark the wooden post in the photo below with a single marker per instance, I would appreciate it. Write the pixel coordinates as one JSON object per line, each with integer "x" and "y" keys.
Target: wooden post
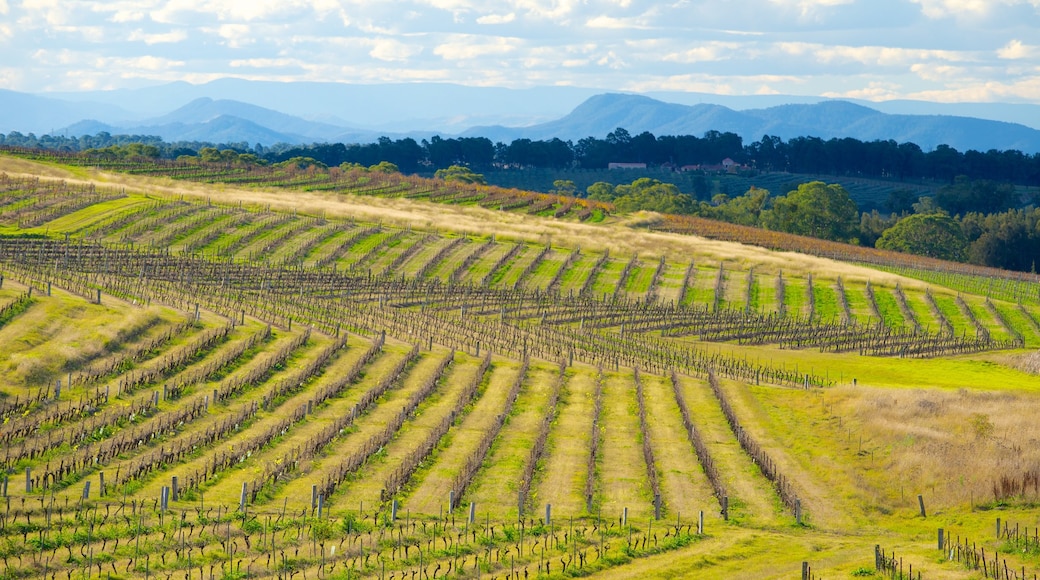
{"x": 548, "y": 514}
{"x": 86, "y": 489}
{"x": 393, "y": 511}
{"x": 101, "y": 483}
{"x": 472, "y": 512}
{"x": 805, "y": 571}
{"x": 942, "y": 545}
{"x": 57, "y": 389}
{"x": 920, "y": 501}
{"x": 174, "y": 488}
{"x": 242, "y": 498}
{"x": 314, "y": 496}
{"x": 28, "y": 480}
{"x": 798, "y": 511}
{"x": 700, "y": 523}
{"x": 725, "y": 508}
{"x": 657, "y": 506}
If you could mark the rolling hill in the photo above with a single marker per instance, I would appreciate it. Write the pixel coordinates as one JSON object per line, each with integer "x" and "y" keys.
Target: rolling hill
{"x": 217, "y": 372}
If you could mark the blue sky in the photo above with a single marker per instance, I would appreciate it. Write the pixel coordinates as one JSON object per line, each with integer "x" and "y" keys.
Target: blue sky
{"x": 937, "y": 50}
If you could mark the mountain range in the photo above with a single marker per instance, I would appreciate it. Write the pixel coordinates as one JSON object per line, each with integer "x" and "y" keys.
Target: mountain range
{"x": 234, "y": 110}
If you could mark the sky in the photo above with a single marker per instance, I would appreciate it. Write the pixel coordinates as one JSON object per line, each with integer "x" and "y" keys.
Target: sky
{"x": 933, "y": 50}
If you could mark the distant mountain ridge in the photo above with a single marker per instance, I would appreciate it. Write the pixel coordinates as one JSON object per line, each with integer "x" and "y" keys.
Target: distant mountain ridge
{"x": 601, "y": 114}
{"x": 328, "y": 105}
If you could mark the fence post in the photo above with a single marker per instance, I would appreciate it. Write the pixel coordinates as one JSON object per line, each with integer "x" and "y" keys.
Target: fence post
{"x": 942, "y": 544}
{"x": 700, "y": 523}
{"x": 548, "y": 514}
{"x": 725, "y": 508}
{"x": 998, "y": 520}
{"x": 28, "y": 482}
{"x": 174, "y": 488}
{"x": 657, "y": 506}
{"x": 920, "y": 501}
{"x": 805, "y": 571}
{"x": 242, "y": 498}
{"x": 472, "y": 511}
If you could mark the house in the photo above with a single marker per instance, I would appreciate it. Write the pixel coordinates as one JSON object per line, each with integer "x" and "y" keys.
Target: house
{"x": 613, "y": 165}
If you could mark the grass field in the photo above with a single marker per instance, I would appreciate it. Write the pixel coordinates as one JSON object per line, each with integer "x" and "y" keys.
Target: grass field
{"x": 286, "y": 365}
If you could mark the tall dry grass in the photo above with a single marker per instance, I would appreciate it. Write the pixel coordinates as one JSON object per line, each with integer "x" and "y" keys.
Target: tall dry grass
{"x": 950, "y": 446}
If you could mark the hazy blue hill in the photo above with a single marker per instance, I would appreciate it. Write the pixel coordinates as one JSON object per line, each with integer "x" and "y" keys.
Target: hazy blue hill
{"x": 204, "y": 110}
{"x": 222, "y": 129}
{"x": 601, "y": 114}
{"x": 28, "y": 113}
{"x": 390, "y": 107}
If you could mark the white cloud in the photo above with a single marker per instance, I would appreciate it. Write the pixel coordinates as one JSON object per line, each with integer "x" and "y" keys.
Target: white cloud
{"x": 880, "y": 56}
{"x": 138, "y": 63}
{"x": 874, "y": 91}
{"x": 235, "y": 35}
{"x": 967, "y": 8}
{"x": 51, "y": 12}
{"x": 3, "y": 8}
{"x": 610, "y": 22}
{"x": 497, "y": 18}
{"x": 159, "y": 38}
{"x": 1016, "y": 50}
{"x": 810, "y": 8}
{"x": 941, "y": 73}
{"x": 389, "y": 49}
{"x": 708, "y": 52}
{"x": 468, "y": 47}
{"x": 266, "y": 63}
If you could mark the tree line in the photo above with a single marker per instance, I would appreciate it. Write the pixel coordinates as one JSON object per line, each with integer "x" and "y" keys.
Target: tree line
{"x": 960, "y": 223}
{"x": 841, "y": 157}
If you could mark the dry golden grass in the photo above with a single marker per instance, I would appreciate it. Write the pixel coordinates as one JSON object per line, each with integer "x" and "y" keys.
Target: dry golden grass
{"x": 949, "y": 445}
{"x": 1025, "y": 362}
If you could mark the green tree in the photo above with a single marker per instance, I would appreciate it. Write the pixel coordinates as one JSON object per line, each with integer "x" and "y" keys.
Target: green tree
{"x": 384, "y": 167}
{"x": 460, "y": 174}
{"x": 744, "y": 209}
{"x": 652, "y": 195}
{"x": 933, "y": 235}
{"x": 814, "y": 209}
{"x": 563, "y": 187}
{"x": 600, "y": 191}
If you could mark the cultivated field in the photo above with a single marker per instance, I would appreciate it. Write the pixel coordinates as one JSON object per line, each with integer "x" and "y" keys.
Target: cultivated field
{"x": 239, "y": 379}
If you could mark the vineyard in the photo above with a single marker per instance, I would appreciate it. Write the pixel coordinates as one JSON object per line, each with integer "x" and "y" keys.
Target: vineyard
{"x": 197, "y": 387}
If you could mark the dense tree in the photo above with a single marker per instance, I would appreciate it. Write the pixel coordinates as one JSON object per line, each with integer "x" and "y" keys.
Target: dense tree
{"x": 934, "y": 235}
{"x": 460, "y": 174}
{"x": 814, "y": 209}
{"x": 652, "y": 195}
{"x": 744, "y": 209}
{"x": 965, "y": 195}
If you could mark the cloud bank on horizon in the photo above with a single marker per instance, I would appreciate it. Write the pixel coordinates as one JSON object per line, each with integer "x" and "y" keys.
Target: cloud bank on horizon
{"x": 936, "y": 50}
